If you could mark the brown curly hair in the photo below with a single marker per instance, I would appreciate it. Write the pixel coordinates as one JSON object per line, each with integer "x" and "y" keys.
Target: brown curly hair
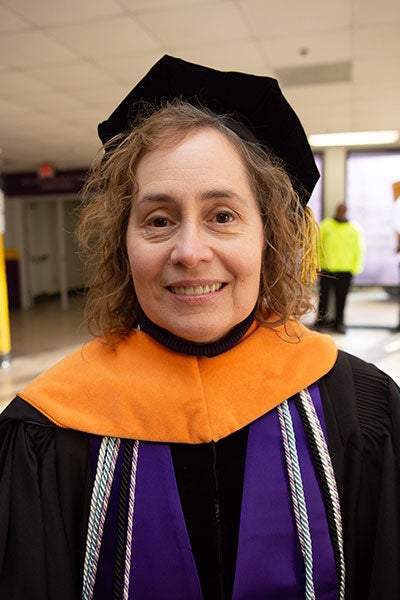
{"x": 287, "y": 270}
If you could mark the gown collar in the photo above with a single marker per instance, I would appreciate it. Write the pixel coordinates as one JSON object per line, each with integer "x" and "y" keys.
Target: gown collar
{"x": 177, "y": 344}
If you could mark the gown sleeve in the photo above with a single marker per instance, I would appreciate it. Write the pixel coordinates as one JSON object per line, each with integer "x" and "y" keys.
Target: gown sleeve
{"x": 362, "y": 411}
{"x": 45, "y": 485}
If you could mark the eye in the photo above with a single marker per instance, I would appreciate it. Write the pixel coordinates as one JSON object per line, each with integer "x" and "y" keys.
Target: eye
{"x": 159, "y": 222}
{"x": 223, "y": 217}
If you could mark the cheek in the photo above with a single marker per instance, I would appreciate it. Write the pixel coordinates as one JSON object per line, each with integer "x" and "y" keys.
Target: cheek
{"x": 247, "y": 266}
{"x": 137, "y": 259}
{"x": 136, "y": 273}
{"x": 251, "y": 254}
{"x": 145, "y": 263}
{"x": 254, "y": 275}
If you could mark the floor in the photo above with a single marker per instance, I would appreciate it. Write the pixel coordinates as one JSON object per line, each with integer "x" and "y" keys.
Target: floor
{"x": 44, "y": 334}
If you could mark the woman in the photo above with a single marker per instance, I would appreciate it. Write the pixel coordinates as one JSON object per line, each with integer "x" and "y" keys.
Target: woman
{"x": 207, "y": 445}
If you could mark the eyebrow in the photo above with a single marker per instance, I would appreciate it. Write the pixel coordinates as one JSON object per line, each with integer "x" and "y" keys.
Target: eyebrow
{"x": 208, "y": 195}
{"x": 227, "y": 193}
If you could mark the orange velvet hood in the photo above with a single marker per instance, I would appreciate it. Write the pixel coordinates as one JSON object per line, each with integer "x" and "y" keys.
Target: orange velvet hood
{"x": 143, "y": 390}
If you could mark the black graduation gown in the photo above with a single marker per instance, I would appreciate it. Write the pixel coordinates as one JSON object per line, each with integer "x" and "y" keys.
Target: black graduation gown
{"x": 46, "y": 481}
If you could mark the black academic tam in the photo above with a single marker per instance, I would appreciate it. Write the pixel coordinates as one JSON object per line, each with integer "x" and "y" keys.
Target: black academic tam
{"x": 255, "y": 101}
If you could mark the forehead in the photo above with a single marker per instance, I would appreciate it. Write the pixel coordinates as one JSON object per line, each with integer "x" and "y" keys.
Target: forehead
{"x": 201, "y": 148}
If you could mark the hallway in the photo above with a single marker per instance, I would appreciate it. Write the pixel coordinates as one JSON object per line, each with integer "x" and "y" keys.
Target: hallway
{"x": 43, "y": 335}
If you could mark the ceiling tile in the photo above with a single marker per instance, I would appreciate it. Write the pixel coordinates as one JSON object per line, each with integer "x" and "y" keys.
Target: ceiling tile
{"x": 327, "y": 123}
{"x": 50, "y": 103}
{"x": 386, "y": 92}
{"x": 129, "y": 69}
{"x": 49, "y": 12}
{"x": 371, "y": 12}
{"x": 316, "y": 97}
{"x": 82, "y": 74}
{"x": 362, "y": 121}
{"x": 322, "y": 108}
{"x": 239, "y": 56}
{"x": 9, "y": 21}
{"x": 38, "y": 124}
{"x": 303, "y": 50}
{"x": 366, "y": 103}
{"x": 149, "y": 5}
{"x": 101, "y": 96}
{"x": 33, "y": 48}
{"x": 196, "y": 24}
{"x": 291, "y": 16}
{"x": 104, "y": 38}
{"x": 13, "y": 83}
{"x": 374, "y": 71}
{"x": 377, "y": 42}
{"x": 11, "y": 109}
{"x": 87, "y": 118}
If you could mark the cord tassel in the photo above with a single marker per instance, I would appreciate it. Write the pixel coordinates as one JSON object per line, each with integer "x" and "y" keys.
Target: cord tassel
{"x": 310, "y": 256}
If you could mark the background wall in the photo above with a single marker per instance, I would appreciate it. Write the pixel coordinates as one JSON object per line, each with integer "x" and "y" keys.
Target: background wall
{"x": 40, "y": 236}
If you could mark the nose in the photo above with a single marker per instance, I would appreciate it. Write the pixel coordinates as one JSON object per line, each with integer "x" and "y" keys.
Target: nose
{"x": 191, "y": 247}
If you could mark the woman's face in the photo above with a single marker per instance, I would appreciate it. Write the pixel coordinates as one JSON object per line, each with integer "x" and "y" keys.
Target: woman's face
{"x": 195, "y": 238}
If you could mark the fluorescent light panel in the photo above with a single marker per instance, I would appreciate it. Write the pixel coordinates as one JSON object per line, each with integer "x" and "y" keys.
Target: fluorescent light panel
{"x": 353, "y": 138}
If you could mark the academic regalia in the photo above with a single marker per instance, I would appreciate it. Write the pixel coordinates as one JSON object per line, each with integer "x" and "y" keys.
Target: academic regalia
{"x": 50, "y": 440}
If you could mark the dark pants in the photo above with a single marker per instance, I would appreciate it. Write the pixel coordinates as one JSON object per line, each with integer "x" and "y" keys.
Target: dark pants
{"x": 339, "y": 283}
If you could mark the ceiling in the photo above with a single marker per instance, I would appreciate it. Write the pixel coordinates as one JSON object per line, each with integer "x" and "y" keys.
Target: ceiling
{"x": 66, "y": 64}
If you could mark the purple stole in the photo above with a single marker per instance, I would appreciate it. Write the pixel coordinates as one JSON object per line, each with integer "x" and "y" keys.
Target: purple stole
{"x": 269, "y": 561}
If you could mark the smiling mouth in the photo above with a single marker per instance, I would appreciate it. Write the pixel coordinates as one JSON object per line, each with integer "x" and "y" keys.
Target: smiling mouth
{"x": 197, "y": 290}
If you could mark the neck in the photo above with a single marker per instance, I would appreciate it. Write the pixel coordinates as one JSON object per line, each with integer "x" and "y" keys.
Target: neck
{"x": 177, "y": 344}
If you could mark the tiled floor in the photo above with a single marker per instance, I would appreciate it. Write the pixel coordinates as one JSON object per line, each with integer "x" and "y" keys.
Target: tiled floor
{"x": 43, "y": 335}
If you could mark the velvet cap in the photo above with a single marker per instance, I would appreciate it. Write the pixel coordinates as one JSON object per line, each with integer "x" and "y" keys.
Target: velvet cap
{"x": 255, "y": 101}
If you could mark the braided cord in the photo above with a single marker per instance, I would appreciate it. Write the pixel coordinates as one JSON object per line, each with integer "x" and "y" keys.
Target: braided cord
{"x": 106, "y": 462}
{"x": 323, "y": 462}
{"x": 131, "y": 508}
{"x": 121, "y": 521}
{"x": 297, "y": 493}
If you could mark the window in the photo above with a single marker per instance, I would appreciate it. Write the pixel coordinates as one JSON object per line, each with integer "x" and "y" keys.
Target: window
{"x": 370, "y": 202}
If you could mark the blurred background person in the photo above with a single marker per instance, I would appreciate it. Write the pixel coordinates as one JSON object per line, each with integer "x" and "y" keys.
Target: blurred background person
{"x": 341, "y": 255}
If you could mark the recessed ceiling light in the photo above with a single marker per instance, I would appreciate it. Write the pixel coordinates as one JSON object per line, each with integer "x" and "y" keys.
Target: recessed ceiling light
{"x": 353, "y": 138}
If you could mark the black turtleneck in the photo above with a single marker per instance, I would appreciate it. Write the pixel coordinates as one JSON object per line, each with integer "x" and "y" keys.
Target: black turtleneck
{"x": 177, "y": 344}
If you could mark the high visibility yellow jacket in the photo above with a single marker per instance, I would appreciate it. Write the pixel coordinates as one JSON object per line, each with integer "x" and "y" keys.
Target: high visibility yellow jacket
{"x": 342, "y": 246}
